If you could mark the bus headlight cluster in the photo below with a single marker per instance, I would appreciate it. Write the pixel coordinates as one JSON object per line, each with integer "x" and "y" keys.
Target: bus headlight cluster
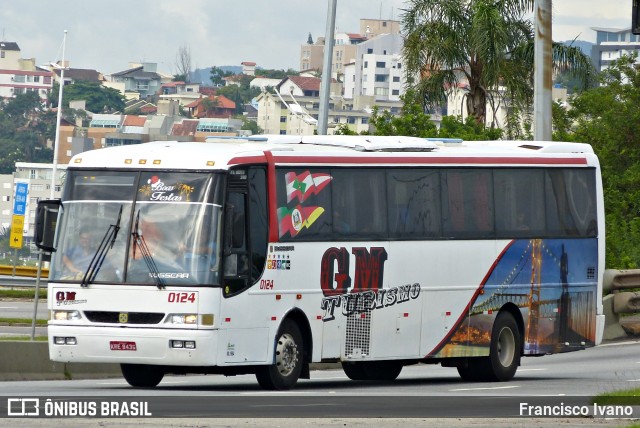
{"x": 66, "y": 315}
{"x": 182, "y": 344}
{"x": 184, "y": 319}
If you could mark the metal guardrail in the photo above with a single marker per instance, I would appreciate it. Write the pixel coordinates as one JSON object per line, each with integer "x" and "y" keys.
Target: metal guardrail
{"x": 28, "y": 271}
{"x": 20, "y": 281}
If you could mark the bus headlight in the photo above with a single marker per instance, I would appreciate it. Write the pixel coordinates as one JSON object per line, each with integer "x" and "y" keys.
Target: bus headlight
{"x": 184, "y": 319}
{"x": 66, "y": 315}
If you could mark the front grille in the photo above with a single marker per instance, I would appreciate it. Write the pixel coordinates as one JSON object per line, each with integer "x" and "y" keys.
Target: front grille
{"x": 133, "y": 317}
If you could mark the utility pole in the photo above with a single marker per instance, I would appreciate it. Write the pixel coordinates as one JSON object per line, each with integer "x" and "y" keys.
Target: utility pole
{"x": 325, "y": 85}
{"x": 543, "y": 80}
{"x": 56, "y": 142}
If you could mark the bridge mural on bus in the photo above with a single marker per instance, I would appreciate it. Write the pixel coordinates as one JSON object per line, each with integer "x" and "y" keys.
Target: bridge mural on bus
{"x": 551, "y": 281}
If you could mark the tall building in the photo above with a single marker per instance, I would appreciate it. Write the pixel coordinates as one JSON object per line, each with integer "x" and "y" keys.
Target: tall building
{"x": 377, "y": 70}
{"x": 345, "y": 44}
{"x": 611, "y": 44}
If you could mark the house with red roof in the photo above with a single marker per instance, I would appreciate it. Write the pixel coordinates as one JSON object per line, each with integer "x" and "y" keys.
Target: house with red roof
{"x": 217, "y": 106}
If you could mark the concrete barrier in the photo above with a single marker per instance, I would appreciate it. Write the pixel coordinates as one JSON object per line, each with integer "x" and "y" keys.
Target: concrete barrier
{"x": 621, "y": 302}
{"x": 30, "y": 361}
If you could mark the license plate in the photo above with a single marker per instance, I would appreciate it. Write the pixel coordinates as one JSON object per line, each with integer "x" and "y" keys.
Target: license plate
{"x": 123, "y": 346}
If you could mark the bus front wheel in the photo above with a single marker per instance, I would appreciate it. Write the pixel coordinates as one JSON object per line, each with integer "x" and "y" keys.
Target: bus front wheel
{"x": 288, "y": 360}
{"x": 142, "y": 375}
{"x": 504, "y": 354}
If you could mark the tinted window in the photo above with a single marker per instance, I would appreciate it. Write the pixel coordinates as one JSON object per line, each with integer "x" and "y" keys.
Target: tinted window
{"x": 467, "y": 203}
{"x": 414, "y": 203}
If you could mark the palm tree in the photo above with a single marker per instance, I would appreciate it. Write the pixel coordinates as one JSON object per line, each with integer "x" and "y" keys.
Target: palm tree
{"x": 487, "y": 44}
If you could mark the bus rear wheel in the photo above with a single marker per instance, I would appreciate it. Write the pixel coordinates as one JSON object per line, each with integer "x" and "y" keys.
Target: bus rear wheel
{"x": 504, "y": 354}
{"x": 372, "y": 370}
{"x": 142, "y": 375}
{"x": 289, "y": 356}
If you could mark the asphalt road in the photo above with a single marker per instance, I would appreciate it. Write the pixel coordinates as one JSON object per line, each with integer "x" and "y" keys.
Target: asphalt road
{"x": 422, "y": 391}
{"x": 13, "y": 308}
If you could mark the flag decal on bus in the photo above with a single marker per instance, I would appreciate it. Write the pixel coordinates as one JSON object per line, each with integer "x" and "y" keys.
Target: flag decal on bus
{"x": 294, "y": 220}
{"x": 305, "y": 184}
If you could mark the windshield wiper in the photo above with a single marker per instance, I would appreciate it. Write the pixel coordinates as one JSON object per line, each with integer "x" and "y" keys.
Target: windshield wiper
{"x": 106, "y": 244}
{"x": 139, "y": 242}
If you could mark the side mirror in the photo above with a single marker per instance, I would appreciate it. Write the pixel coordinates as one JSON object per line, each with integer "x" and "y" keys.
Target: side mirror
{"x": 46, "y": 221}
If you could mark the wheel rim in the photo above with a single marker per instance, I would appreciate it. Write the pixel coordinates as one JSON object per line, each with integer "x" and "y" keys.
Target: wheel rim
{"x": 506, "y": 347}
{"x": 286, "y": 355}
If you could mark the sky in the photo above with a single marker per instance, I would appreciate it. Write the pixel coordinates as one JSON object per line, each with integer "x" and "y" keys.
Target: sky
{"x": 108, "y": 35}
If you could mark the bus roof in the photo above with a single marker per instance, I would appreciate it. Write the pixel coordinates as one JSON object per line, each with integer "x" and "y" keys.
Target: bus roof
{"x": 222, "y": 153}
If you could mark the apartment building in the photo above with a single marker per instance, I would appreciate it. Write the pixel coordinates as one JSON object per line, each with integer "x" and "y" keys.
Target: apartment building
{"x": 611, "y": 44}
{"x": 377, "y": 70}
{"x": 345, "y": 46}
{"x": 19, "y": 76}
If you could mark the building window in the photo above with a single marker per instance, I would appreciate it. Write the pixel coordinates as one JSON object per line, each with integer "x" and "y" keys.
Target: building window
{"x": 396, "y": 78}
{"x": 366, "y": 64}
{"x": 351, "y": 120}
{"x": 1, "y": 54}
{"x": 364, "y": 120}
{"x": 283, "y": 132}
{"x": 369, "y": 50}
{"x": 382, "y": 77}
{"x": 37, "y": 187}
{"x": 32, "y": 174}
{"x": 395, "y": 92}
{"x": 6, "y": 198}
{"x": 283, "y": 119}
{"x": 384, "y": 23}
{"x": 381, "y": 64}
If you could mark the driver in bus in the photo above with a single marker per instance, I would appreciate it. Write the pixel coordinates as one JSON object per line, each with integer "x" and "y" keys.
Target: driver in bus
{"x": 77, "y": 258}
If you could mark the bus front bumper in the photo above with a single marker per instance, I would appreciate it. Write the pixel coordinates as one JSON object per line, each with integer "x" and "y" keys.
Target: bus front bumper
{"x": 133, "y": 345}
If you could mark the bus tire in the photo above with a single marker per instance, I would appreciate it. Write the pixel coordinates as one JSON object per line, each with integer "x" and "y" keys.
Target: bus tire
{"x": 142, "y": 375}
{"x": 289, "y": 355}
{"x": 372, "y": 370}
{"x": 504, "y": 354}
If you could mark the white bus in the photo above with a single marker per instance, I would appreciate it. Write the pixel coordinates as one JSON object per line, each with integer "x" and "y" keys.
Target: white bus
{"x": 267, "y": 254}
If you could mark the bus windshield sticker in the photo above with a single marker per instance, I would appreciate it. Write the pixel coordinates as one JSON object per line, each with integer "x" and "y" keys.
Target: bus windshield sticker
{"x": 292, "y": 221}
{"x": 157, "y": 190}
{"x": 305, "y": 184}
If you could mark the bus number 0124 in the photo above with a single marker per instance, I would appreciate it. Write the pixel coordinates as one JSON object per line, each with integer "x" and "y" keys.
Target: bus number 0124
{"x": 181, "y": 297}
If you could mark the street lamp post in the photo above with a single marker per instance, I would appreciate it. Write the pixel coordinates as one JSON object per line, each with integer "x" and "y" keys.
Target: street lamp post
{"x": 325, "y": 86}
{"x": 58, "y": 119}
{"x": 542, "y": 84}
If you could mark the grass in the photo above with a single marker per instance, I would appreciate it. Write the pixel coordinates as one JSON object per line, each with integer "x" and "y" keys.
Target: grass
{"x": 24, "y": 338}
{"x": 628, "y": 397}
{"x": 15, "y": 321}
{"x": 22, "y": 293}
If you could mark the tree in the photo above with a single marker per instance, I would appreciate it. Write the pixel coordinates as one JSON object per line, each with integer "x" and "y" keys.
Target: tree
{"x": 24, "y": 131}
{"x": 183, "y": 63}
{"x": 414, "y": 122}
{"x": 241, "y": 93}
{"x": 99, "y": 99}
{"x": 608, "y": 118}
{"x": 486, "y": 43}
{"x": 218, "y": 75}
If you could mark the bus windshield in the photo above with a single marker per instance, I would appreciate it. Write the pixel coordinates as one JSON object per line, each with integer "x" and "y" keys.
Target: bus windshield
{"x": 168, "y": 228}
